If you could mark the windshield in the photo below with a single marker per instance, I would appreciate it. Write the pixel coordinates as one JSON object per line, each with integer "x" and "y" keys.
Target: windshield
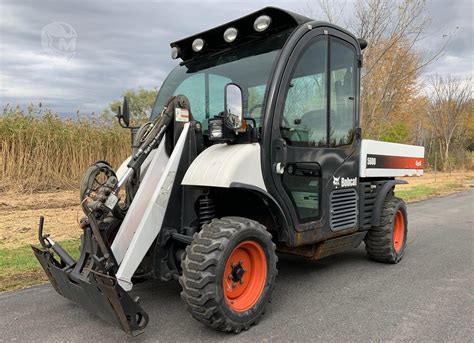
{"x": 203, "y": 81}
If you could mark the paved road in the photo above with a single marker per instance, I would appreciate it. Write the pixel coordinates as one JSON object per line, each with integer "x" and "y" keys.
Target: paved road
{"x": 428, "y": 296}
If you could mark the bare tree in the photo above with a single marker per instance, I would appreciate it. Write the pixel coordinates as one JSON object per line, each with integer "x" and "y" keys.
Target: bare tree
{"x": 449, "y": 110}
{"x": 333, "y": 10}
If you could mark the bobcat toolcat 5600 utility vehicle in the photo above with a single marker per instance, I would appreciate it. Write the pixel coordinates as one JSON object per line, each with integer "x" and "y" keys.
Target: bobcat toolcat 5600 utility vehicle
{"x": 253, "y": 147}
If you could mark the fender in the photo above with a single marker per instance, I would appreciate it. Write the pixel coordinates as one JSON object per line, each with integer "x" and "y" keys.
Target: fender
{"x": 220, "y": 165}
{"x": 381, "y": 195}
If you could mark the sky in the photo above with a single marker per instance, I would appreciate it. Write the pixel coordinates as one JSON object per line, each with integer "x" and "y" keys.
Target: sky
{"x": 116, "y": 45}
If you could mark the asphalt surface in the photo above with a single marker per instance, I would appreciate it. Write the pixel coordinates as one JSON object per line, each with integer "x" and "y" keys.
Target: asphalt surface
{"x": 428, "y": 296}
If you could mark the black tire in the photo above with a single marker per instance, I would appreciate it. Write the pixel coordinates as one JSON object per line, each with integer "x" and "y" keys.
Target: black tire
{"x": 204, "y": 268}
{"x": 380, "y": 243}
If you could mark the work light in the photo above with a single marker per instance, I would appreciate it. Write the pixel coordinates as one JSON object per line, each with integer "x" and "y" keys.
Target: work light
{"x": 174, "y": 52}
{"x": 198, "y": 44}
{"x": 262, "y": 23}
{"x": 215, "y": 129}
{"x": 230, "y": 34}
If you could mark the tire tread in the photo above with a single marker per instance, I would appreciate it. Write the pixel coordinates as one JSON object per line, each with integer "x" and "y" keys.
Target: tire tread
{"x": 198, "y": 279}
{"x": 378, "y": 242}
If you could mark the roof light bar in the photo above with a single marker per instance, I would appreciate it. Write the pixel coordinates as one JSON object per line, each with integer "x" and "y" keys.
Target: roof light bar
{"x": 262, "y": 23}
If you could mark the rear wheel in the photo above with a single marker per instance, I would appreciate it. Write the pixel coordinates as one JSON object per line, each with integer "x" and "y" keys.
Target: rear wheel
{"x": 387, "y": 242}
{"x": 228, "y": 273}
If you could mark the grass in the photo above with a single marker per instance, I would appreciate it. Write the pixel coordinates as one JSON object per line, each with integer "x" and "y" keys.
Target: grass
{"x": 19, "y": 268}
{"x": 421, "y": 192}
{"x": 431, "y": 185}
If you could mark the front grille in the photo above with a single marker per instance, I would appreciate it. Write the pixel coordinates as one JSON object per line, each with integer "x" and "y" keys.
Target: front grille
{"x": 343, "y": 207}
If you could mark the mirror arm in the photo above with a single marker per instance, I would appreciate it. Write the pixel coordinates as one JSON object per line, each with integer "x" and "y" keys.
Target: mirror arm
{"x": 252, "y": 120}
{"x": 254, "y": 129}
{"x": 122, "y": 123}
{"x": 119, "y": 117}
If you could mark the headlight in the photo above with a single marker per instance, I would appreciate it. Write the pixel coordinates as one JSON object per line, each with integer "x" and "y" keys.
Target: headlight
{"x": 262, "y": 23}
{"x": 215, "y": 129}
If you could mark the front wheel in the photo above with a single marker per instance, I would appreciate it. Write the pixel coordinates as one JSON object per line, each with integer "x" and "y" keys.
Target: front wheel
{"x": 229, "y": 273}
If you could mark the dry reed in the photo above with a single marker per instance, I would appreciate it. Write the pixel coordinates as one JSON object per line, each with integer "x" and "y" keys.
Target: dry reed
{"x": 40, "y": 151}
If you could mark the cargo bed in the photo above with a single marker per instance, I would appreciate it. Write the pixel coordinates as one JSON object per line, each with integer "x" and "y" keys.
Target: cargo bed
{"x": 383, "y": 159}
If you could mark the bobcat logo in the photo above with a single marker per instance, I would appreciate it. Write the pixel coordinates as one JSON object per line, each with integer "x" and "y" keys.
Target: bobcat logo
{"x": 344, "y": 181}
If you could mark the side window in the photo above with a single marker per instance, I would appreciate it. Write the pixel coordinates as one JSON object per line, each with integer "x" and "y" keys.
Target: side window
{"x": 342, "y": 69}
{"x": 304, "y": 120}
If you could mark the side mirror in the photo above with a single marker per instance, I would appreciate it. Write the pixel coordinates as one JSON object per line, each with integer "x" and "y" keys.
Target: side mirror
{"x": 234, "y": 106}
{"x": 123, "y": 114}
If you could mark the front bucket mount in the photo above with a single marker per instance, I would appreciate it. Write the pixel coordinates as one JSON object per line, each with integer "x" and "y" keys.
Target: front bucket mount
{"x": 97, "y": 292}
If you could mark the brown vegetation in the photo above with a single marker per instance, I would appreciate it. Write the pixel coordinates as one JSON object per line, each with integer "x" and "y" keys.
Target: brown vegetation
{"x": 41, "y": 151}
{"x": 19, "y": 216}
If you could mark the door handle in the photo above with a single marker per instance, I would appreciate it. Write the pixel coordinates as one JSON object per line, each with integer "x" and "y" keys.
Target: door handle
{"x": 279, "y": 155}
{"x": 279, "y": 168}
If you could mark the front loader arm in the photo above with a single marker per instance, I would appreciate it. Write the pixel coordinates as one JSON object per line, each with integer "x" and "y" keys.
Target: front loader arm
{"x": 144, "y": 218}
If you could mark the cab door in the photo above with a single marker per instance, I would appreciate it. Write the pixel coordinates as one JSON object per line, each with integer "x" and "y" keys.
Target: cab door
{"x": 313, "y": 141}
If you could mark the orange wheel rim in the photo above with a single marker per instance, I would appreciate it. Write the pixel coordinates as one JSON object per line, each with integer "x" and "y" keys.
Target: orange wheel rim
{"x": 398, "y": 231}
{"x": 244, "y": 276}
